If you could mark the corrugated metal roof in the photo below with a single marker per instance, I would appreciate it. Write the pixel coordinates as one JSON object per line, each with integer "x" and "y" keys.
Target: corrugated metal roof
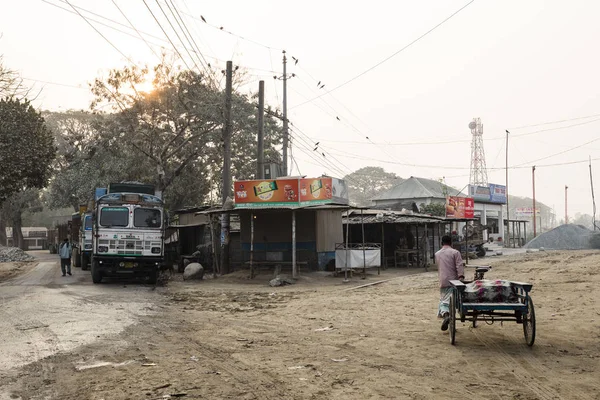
{"x": 416, "y": 188}
{"x": 390, "y": 217}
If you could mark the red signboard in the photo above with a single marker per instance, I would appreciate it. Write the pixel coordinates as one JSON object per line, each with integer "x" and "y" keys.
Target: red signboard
{"x": 315, "y": 190}
{"x": 460, "y": 207}
{"x": 266, "y": 192}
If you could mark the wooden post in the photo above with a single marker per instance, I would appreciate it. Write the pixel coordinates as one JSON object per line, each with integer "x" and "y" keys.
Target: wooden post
{"x": 382, "y": 247}
{"x": 212, "y": 245}
{"x": 467, "y": 243}
{"x": 362, "y": 223}
{"x": 260, "y": 156}
{"x": 418, "y": 246}
{"x": 347, "y": 231}
{"x": 294, "y": 267}
{"x": 251, "y": 245}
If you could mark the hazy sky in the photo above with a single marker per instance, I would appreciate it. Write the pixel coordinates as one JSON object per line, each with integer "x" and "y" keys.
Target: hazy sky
{"x": 511, "y": 63}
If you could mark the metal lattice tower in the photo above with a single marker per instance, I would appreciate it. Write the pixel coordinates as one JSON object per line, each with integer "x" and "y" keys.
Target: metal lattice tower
{"x": 478, "y": 175}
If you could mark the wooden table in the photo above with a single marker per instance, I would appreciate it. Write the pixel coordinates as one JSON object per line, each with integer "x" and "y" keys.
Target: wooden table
{"x": 404, "y": 253}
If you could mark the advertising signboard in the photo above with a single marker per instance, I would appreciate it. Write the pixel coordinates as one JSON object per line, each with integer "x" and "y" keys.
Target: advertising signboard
{"x": 497, "y": 193}
{"x": 315, "y": 191}
{"x": 481, "y": 193}
{"x": 339, "y": 193}
{"x": 526, "y": 211}
{"x": 271, "y": 192}
{"x": 488, "y": 194}
{"x": 460, "y": 207}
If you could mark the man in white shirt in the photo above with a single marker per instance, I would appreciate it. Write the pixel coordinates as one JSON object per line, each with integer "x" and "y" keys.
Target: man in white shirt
{"x": 65, "y": 252}
{"x": 450, "y": 267}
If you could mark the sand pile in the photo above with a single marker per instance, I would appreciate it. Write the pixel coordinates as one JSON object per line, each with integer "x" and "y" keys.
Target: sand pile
{"x": 563, "y": 237}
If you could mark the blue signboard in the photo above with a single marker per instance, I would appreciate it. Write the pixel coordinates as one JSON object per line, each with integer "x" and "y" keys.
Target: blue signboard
{"x": 488, "y": 194}
{"x": 497, "y": 193}
{"x": 480, "y": 193}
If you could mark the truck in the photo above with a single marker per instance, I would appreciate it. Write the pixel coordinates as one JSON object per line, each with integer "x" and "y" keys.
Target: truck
{"x": 81, "y": 232}
{"x": 127, "y": 232}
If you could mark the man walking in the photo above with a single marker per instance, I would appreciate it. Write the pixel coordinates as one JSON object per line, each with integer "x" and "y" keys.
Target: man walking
{"x": 450, "y": 267}
{"x": 65, "y": 257}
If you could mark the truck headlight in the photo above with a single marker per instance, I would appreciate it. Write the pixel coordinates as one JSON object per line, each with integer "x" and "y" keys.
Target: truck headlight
{"x": 88, "y": 246}
{"x": 102, "y": 249}
{"x": 155, "y": 250}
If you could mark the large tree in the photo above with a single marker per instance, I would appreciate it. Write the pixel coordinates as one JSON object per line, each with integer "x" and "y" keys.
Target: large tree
{"x": 26, "y": 148}
{"x": 368, "y": 182}
{"x": 85, "y": 160}
{"x": 175, "y": 129}
{"x": 12, "y": 210}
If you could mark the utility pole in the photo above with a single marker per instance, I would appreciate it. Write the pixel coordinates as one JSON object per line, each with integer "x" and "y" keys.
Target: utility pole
{"x": 507, "y": 208}
{"x": 260, "y": 156}
{"x": 593, "y": 199}
{"x": 226, "y": 169}
{"x": 534, "y": 213}
{"x": 285, "y": 119}
{"x": 566, "y": 215}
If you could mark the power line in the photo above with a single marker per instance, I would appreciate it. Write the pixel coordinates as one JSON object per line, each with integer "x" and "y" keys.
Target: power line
{"x": 391, "y": 56}
{"x": 176, "y": 34}
{"x": 222, "y": 29}
{"x": 100, "y": 33}
{"x": 138, "y": 32}
{"x": 191, "y": 41}
{"x": 54, "y": 83}
{"x": 559, "y": 153}
{"x": 554, "y": 122}
{"x": 329, "y": 163}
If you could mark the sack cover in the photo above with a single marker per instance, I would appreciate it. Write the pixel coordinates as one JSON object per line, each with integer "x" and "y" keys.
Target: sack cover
{"x": 490, "y": 291}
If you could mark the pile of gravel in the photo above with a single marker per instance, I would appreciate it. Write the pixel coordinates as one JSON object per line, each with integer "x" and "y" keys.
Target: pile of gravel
{"x": 563, "y": 237}
{"x": 9, "y": 254}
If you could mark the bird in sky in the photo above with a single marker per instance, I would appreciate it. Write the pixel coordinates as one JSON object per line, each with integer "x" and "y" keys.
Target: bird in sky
{"x": 319, "y": 84}
{"x": 316, "y": 144}
{"x": 295, "y": 59}
{"x": 338, "y": 118}
{"x": 202, "y": 18}
{"x": 322, "y": 86}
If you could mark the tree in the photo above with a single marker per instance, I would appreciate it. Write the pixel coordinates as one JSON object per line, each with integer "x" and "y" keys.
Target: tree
{"x": 170, "y": 125}
{"x": 84, "y": 158}
{"x": 13, "y": 208}
{"x": 26, "y": 148}
{"x": 435, "y": 209}
{"x": 175, "y": 130}
{"x": 368, "y": 182}
{"x": 11, "y": 85}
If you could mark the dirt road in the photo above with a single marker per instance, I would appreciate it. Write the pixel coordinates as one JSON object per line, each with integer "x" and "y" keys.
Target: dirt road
{"x": 234, "y": 338}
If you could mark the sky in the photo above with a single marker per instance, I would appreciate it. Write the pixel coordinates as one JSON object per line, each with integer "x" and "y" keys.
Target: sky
{"x": 397, "y": 94}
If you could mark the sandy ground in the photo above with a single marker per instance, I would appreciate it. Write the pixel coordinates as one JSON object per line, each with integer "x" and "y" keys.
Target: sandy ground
{"x": 234, "y": 338}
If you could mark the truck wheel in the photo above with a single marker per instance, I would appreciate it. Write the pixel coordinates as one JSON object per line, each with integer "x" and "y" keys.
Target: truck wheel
{"x": 76, "y": 257}
{"x": 96, "y": 273}
{"x": 153, "y": 277}
{"x": 85, "y": 260}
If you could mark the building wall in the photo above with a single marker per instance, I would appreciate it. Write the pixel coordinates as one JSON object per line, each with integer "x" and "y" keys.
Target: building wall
{"x": 192, "y": 219}
{"x": 329, "y": 229}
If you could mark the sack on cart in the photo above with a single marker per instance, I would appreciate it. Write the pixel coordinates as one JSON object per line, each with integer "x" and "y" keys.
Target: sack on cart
{"x": 490, "y": 291}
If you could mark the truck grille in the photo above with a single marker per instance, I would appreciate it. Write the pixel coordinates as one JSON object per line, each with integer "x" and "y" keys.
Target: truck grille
{"x": 129, "y": 247}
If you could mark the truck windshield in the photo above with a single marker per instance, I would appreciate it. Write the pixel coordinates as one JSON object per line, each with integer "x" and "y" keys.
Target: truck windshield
{"x": 88, "y": 223}
{"x": 114, "y": 216}
{"x": 146, "y": 218}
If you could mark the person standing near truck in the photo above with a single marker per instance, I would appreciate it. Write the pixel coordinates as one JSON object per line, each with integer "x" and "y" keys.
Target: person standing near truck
{"x": 65, "y": 252}
{"x": 450, "y": 267}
